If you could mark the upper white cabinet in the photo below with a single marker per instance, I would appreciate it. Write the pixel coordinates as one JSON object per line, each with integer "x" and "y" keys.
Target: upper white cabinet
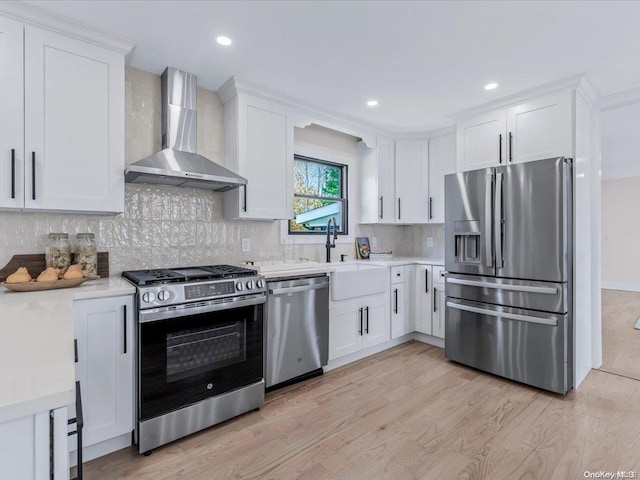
{"x": 61, "y": 122}
{"x": 412, "y": 198}
{"x": 536, "y": 129}
{"x": 258, "y": 142}
{"x": 377, "y": 182}
{"x": 442, "y": 161}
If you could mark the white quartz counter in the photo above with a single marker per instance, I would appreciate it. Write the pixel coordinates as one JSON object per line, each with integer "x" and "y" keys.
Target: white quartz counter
{"x": 327, "y": 268}
{"x": 36, "y": 346}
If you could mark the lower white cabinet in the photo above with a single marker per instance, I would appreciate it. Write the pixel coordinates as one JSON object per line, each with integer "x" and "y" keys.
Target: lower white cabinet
{"x": 439, "y": 299}
{"x": 423, "y": 298}
{"x": 402, "y": 301}
{"x": 357, "y": 324}
{"x": 105, "y": 368}
{"x": 35, "y": 447}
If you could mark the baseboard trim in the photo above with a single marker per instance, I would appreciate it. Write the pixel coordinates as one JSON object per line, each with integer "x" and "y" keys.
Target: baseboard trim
{"x": 430, "y": 339}
{"x": 99, "y": 449}
{"x": 627, "y": 287}
{"x": 354, "y": 357}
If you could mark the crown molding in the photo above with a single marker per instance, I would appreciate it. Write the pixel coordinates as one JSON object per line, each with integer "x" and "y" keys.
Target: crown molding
{"x": 440, "y": 132}
{"x": 40, "y": 17}
{"x": 621, "y": 99}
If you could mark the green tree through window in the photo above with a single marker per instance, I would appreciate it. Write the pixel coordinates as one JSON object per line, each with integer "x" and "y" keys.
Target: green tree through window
{"x": 319, "y": 194}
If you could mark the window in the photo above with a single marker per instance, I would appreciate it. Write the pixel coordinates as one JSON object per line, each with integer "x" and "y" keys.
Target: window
{"x": 320, "y": 193}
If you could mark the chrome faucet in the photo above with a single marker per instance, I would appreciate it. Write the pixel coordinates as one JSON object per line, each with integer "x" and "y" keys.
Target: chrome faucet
{"x": 329, "y": 244}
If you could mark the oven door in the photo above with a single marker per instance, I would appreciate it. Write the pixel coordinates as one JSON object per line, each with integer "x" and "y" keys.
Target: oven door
{"x": 192, "y": 352}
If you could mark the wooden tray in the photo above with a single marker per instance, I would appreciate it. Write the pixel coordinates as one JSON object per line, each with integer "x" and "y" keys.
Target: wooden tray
{"x": 34, "y": 286}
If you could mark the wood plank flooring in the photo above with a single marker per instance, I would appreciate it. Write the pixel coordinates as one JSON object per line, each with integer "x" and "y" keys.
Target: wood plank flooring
{"x": 407, "y": 413}
{"x": 620, "y": 341}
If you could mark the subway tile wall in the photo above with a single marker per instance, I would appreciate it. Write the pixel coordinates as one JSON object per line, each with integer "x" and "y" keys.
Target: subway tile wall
{"x": 166, "y": 226}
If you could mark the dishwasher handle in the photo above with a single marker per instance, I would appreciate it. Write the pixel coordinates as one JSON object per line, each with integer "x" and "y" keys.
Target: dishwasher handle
{"x": 301, "y": 288}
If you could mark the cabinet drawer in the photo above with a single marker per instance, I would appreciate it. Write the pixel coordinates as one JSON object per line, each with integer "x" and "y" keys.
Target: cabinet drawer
{"x": 397, "y": 275}
{"x": 438, "y": 274}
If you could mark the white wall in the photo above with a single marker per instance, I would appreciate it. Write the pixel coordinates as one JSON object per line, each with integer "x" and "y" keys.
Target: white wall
{"x": 621, "y": 142}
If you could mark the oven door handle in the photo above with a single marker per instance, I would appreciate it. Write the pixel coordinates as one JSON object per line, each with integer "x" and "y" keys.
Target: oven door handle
{"x": 164, "y": 313}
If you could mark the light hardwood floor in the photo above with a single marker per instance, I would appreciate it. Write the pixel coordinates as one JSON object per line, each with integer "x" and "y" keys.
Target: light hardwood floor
{"x": 407, "y": 413}
{"x": 620, "y": 341}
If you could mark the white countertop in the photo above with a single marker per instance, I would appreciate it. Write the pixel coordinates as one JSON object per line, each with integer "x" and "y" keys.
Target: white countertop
{"x": 36, "y": 346}
{"x": 327, "y": 268}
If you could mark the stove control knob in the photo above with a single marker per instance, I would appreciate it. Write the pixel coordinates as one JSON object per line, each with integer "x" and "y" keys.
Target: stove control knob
{"x": 148, "y": 297}
{"x": 163, "y": 295}
{"x": 250, "y": 285}
{"x": 259, "y": 284}
{"x": 240, "y": 286}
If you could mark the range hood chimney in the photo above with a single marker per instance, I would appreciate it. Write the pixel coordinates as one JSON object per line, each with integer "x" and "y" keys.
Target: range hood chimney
{"x": 179, "y": 164}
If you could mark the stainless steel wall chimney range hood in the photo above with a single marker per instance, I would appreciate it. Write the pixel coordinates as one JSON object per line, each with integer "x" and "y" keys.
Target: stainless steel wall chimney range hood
{"x": 179, "y": 164}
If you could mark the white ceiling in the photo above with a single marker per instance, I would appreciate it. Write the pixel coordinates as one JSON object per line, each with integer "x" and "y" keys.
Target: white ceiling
{"x": 422, "y": 60}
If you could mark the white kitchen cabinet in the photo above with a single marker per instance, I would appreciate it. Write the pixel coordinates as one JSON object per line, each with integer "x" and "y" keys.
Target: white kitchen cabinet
{"x": 11, "y": 113}
{"x": 533, "y": 130}
{"x": 105, "y": 339}
{"x": 358, "y": 324}
{"x": 412, "y": 198}
{"x": 258, "y": 146}
{"x": 423, "y": 296}
{"x": 401, "y": 300}
{"x": 481, "y": 140}
{"x": 540, "y": 128}
{"x": 35, "y": 447}
{"x": 377, "y": 181}
{"x": 62, "y": 122}
{"x": 438, "y": 302}
{"x": 398, "y": 311}
{"x": 442, "y": 161}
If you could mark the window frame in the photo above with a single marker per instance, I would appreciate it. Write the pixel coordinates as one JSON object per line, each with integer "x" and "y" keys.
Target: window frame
{"x": 343, "y": 198}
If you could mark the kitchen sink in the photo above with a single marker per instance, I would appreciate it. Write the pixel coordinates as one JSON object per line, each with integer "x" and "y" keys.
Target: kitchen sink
{"x": 350, "y": 280}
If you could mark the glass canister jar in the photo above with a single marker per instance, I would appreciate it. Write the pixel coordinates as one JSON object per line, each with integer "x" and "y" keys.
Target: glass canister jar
{"x": 87, "y": 253}
{"x": 58, "y": 251}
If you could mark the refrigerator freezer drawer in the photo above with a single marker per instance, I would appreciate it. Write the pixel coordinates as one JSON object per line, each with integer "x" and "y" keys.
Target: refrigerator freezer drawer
{"x": 522, "y": 345}
{"x": 544, "y": 296}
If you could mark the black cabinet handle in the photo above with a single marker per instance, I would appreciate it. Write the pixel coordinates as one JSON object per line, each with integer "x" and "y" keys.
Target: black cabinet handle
{"x": 430, "y": 208}
{"x": 381, "y": 215}
{"x": 13, "y": 173}
{"x": 75, "y": 350}
{"x": 361, "y": 315}
{"x": 435, "y": 299}
{"x": 244, "y": 207}
{"x": 398, "y": 209}
{"x": 510, "y": 147}
{"x": 426, "y": 281}
{"x": 500, "y": 148}
{"x": 33, "y": 175}
{"x": 124, "y": 326}
{"x": 366, "y": 329}
{"x": 395, "y": 293}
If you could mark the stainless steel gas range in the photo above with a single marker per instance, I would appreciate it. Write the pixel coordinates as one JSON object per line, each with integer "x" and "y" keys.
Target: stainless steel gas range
{"x": 200, "y": 349}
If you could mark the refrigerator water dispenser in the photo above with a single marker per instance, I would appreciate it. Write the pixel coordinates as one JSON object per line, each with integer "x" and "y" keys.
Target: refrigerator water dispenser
{"x": 467, "y": 241}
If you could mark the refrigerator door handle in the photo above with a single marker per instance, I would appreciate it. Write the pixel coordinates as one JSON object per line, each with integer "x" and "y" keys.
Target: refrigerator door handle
{"x": 488, "y": 220}
{"x": 509, "y": 316}
{"x": 497, "y": 221}
{"x": 503, "y": 286}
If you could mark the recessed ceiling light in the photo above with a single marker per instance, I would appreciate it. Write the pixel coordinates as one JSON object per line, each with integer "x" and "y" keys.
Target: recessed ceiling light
{"x": 224, "y": 41}
{"x": 372, "y": 103}
{"x": 490, "y": 86}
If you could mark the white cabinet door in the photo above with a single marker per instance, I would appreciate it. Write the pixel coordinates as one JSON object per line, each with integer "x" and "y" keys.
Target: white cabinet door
{"x": 412, "y": 197}
{"x": 377, "y": 182}
{"x": 74, "y": 124}
{"x": 345, "y": 328}
{"x": 442, "y": 161}
{"x": 104, "y": 331}
{"x": 11, "y": 114}
{"x": 377, "y": 324}
{"x": 398, "y": 313}
{"x": 259, "y": 146}
{"x": 423, "y": 298}
{"x": 481, "y": 141}
{"x": 541, "y": 128}
{"x": 439, "y": 309}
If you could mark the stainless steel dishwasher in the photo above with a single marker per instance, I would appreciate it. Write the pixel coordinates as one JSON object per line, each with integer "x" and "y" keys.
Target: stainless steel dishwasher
{"x": 297, "y": 329}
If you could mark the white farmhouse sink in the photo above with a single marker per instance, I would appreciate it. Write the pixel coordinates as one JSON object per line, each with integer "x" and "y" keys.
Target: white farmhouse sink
{"x": 349, "y": 280}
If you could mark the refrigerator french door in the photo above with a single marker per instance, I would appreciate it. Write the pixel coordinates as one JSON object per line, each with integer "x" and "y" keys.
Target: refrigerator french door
{"x": 508, "y": 256}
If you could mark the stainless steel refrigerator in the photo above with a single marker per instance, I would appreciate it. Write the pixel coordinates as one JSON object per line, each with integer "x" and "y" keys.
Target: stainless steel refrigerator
{"x": 508, "y": 256}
